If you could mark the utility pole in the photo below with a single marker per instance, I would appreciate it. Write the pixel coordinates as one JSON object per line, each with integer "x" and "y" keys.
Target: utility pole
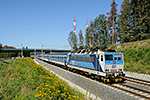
{"x": 41, "y": 48}
{"x": 21, "y": 50}
{"x": 75, "y": 38}
{"x": 74, "y": 23}
{"x": 87, "y": 24}
{"x": 34, "y": 53}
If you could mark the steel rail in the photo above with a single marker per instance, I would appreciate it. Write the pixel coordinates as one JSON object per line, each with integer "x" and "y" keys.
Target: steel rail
{"x": 131, "y": 92}
{"x": 139, "y": 81}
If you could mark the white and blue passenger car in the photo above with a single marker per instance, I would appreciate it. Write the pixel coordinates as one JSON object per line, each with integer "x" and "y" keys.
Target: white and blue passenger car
{"x": 105, "y": 65}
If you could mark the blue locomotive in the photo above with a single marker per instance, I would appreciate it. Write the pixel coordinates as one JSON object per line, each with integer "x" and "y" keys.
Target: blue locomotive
{"x": 105, "y": 65}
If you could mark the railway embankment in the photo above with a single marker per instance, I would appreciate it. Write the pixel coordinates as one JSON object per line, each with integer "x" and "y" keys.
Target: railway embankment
{"x": 136, "y": 56}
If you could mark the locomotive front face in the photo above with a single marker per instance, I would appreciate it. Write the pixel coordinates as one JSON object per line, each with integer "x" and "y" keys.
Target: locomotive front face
{"x": 113, "y": 62}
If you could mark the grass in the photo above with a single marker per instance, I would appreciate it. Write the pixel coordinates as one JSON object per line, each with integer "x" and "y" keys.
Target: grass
{"x": 3, "y": 58}
{"x": 136, "y": 56}
{"x": 22, "y": 78}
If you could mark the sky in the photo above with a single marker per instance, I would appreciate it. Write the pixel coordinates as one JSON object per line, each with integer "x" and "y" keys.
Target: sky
{"x": 47, "y": 22}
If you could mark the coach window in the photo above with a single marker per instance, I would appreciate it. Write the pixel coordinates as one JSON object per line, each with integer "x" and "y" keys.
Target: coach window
{"x": 64, "y": 58}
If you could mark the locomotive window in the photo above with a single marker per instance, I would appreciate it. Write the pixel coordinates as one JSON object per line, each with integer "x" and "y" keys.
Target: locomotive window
{"x": 91, "y": 59}
{"x": 72, "y": 58}
{"x": 75, "y": 58}
{"x": 101, "y": 57}
{"x": 108, "y": 57}
{"x": 86, "y": 59}
{"x": 80, "y": 59}
{"x": 118, "y": 57}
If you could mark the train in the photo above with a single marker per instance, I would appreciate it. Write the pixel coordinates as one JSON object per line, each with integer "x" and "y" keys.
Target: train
{"x": 103, "y": 64}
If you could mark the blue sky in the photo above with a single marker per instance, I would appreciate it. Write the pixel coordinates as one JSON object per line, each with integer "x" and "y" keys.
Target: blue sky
{"x": 32, "y": 22}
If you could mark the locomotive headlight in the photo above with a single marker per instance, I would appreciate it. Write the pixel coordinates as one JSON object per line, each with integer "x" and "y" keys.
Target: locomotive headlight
{"x": 106, "y": 70}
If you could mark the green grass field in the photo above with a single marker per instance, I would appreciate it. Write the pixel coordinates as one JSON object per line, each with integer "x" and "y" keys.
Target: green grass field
{"x": 136, "y": 56}
{"x": 22, "y": 78}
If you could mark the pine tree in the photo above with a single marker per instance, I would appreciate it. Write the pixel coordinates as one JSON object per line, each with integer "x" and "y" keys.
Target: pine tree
{"x": 109, "y": 38}
{"x": 92, "y": 35}
{"x": 125, "y": 26}
{"x": 100, "y": 27}
{"x": 112, "y": 21}
{"x": 0, "y": 45}
{"x": 142, "y": 18}
{"x": 81, "y": 39}
{"x": 134, "y": 20}
{"x": 87, "y": 38}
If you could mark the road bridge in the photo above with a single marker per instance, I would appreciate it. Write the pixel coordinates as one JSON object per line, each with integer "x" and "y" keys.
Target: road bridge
{"x": 26, "y": 52}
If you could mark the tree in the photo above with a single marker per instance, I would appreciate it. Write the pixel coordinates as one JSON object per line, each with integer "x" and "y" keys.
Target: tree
{"x": 134, "y": 20}
{"x": 92, "y": 35}
{"x": 140, "y": 10}
{"x": 81, "y": 39}
{"x": 87, "y": 37}
{"x": 72, "y": 39}
{"x": 0, "y": 45}
{"x": 112, "y": 21}
{"x": 125, "y": 26}
{"x": 96, "y": 33}
{"x": 100, "y": 27}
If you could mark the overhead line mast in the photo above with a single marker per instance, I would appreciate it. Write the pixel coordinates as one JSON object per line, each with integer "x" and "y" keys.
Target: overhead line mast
{"x": 86, "y": 24}
{"x": 74, "y": 22}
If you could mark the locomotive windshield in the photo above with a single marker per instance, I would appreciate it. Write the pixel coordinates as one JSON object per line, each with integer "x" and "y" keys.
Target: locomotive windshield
{"x": 108, "y": 57}
{"x": 118, "y": 57}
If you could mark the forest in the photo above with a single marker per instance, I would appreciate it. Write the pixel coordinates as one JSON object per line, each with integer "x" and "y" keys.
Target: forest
{"x": 131, "y": 24}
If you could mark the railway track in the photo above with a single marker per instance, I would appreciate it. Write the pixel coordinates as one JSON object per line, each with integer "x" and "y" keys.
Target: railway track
{"x": 132, "y": 90}
{"x": 139, "y": 81}
{"x": 141, "y": 88}
{"x": 137, "y": 92}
